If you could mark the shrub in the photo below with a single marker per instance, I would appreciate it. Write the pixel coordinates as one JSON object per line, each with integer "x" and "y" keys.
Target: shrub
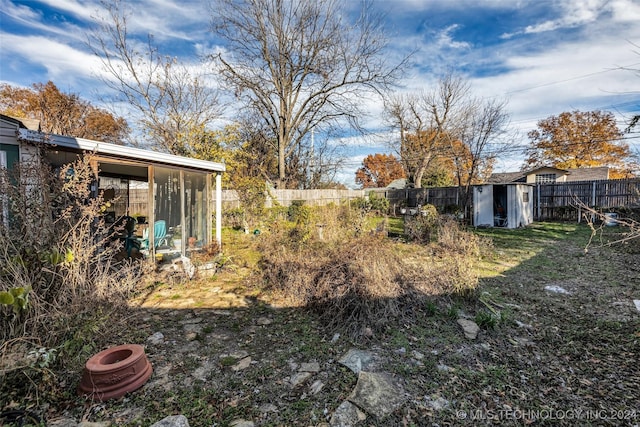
{"x": 234, "y": 218}
{"x": 57, "y": 247}
{"x": 421, "y": 227}
{"x": 353, "y": 280}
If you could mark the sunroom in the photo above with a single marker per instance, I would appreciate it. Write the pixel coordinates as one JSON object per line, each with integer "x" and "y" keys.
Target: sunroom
{"x": 173, "y": 202}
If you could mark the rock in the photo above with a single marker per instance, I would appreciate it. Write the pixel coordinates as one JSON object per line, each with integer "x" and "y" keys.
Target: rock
{"x": 242, "y": 364}
{"x": 556, "y": 289}
{"x": 238, "y": 354}
{"x": 443, "y": 368}
{"x": 417, "y": 355}
{"x": 299, "y": 378}
{"x": 268, "y": 407}
{"x": 191, "y": 327}
{"x": 156, "y": 339}
{"x": 359, "y": 360}
{"x": 316, "y": 387}
{"x": 636, "y": 302}
{"x": 470, "y": 328}
{"x": 172, "y": 421}
{"x": 241, "y": 423}
{"x": 201, "y": 373}
{"x": 438, "y": 403}
{"x": 346, "y": 415}
{"x": 522, "y": 325}
{"x": 377, "y": 393}
{"x": 190, "y": 336}
{"x": 335, "y": 338}
{"x": 264, "y": 321}
{"x": 310, "y": 367}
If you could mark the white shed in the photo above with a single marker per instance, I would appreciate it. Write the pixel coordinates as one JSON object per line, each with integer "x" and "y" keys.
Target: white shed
{"x": 503, "y": 205}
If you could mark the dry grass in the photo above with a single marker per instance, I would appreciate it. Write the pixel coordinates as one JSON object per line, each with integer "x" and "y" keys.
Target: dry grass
{"x": 354, "y": 279}
{"x": 59, "y": 253}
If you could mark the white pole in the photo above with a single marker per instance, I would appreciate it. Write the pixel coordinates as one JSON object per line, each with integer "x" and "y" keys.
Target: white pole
{"x": 219, "y": 210}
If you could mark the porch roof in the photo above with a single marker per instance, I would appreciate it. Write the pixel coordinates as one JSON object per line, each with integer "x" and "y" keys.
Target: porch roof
{"x": 119, "y": 151}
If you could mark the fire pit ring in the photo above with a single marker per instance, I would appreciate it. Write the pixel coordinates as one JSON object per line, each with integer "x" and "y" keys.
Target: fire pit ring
{"x": 115, "y": 371}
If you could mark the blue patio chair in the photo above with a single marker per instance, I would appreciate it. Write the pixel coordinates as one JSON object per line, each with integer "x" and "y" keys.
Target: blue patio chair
{"x": 159, "y": 235}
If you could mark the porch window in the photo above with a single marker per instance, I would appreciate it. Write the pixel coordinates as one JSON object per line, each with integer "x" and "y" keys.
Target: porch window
{"x": 167, "y": 192}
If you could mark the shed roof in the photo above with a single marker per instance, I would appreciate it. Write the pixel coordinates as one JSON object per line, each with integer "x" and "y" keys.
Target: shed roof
{"x": 118, "y": 151}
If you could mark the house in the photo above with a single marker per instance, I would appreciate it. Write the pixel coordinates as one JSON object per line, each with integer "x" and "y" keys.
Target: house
{"x": 170, "y": 196}
{"x": 550, "y": 175}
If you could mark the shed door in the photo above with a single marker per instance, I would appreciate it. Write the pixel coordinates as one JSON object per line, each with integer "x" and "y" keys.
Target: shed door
{"x": 483, "y": 205}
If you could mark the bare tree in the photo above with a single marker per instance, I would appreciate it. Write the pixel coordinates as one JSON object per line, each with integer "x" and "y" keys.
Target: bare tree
{"x": 481, "y": 124}
{"x": 448, "y": 122}
{"x": 173, "y": 99}
{"x": 300, "y": 65}
{"x": 429, "y": 123}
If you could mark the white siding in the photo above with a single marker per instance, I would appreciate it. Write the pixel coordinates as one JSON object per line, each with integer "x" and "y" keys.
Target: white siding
{"x": 483, "y": 205}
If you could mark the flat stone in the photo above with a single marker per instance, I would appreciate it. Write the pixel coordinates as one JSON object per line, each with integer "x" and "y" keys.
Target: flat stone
{"x": 377, "y": 393}
{"x": 309, "y": 367}
{"x": 347, "y": 415}
{"x": 556, "y": 289}
{"x": 242, "y": 364}
{"x": 299, "y": 378}
{"x": 359, "y": 360}
{"x": 192, "y": 327}
{"x": 264, "y": 321}
{"x": 172, "y": 421}
{"x": 316, "y": 387}
{"x": 438, "y": 404}
{"x": 241, "y": 423}
{"x": 470, "y": 328}
{"x": 636, "y": 302}
{"x": 156, "y": 339}
{"x": 268, "y": 407}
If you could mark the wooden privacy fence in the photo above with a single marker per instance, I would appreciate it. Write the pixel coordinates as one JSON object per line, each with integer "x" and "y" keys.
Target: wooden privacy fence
{"x": 551, "y": 201}
{"x": 561, "y": 201}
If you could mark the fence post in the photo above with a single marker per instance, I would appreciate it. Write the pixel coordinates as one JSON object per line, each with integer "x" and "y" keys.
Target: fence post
{"x": 538, "y": 201}
{"x": 593, "y": 200}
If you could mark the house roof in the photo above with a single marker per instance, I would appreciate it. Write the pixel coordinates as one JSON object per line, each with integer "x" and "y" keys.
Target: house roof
{"x": 118, "y": 151}
{"x": 506, "y": 177}
{"x": 578, "y": 174}
{"x": 21, "y": 122}
{"x": 588, "y": 174}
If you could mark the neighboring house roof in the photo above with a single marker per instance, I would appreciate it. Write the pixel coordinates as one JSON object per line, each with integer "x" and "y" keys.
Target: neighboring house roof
{"x": 579, "y": 174}
{"x": 398, "y": 184}
{"x": 588, "y": 174}
{"x": 24, "y": 123}
{"x": 506, "y": 177}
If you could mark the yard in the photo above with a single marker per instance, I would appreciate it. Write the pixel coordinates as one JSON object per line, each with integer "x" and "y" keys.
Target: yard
{"x": 558, "y": 345}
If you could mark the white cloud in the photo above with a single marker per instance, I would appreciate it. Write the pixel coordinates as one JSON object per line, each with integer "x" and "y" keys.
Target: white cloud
{"x": 62, "y": 62}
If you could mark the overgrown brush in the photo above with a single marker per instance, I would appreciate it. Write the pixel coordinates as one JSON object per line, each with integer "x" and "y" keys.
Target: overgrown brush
{"x": 356, "y": 279}
{"x": 57, "y": 250}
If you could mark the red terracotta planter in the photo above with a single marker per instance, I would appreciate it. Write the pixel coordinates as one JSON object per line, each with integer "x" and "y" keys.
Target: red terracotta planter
{"x": 115, "y": 371}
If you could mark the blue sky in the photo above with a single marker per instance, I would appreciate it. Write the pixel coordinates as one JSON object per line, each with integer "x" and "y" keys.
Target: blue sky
{"x": 543, "y": 56}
